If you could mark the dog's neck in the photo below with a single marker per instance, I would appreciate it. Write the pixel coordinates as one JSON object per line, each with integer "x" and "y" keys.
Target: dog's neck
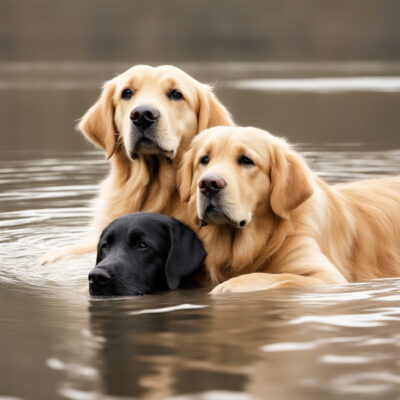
{"x": 234, "y": 251}
{"x": 150, "y": 181}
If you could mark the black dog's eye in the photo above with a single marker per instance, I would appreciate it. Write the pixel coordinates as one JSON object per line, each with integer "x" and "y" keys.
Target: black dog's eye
{"x": 142, "y": 245}
{"x": 104, "y": 248}
{"x": 245, "y": 161}
{"x": 175, "y": 94}
{"x": 204, "y": 160}
{"x": 127, "y": 94}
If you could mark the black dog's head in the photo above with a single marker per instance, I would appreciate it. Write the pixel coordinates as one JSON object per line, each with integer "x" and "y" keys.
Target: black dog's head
{"x": 142, "y": 253}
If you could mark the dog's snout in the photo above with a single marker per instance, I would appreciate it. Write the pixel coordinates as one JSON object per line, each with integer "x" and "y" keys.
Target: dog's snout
{"x": 144, "y": 116}
{"x": 211, "y": 184}
{"x": 101, "y": 276}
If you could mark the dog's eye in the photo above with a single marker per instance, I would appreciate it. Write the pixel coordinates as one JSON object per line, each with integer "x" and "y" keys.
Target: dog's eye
{"x": 204, "y": 160}
{"x": 175, "y": 94}
{"x": 127, "y": 94}
{"x": 245, "y": 161}
{"x": 142, "y": 245}
{"x": 104, "y": 248}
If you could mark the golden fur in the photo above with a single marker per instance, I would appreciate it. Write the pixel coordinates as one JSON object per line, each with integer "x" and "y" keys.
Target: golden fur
{"x": 143, "y": 181}
{"x": 298, "y": 230}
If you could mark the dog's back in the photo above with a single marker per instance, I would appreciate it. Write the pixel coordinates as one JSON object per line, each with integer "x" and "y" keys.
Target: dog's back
{"x": 374, "y": 206}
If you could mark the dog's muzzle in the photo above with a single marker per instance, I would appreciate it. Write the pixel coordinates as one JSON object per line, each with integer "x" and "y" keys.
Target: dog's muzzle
{"x": 144, "y": 132}
{"x": 143, "y": 117}
{"x": 100, "y": 279}
{"x": 211, "y": 184}
{"x": 211, "y": 187}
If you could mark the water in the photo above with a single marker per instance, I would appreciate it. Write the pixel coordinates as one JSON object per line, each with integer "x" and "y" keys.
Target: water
{"x": 58, "y": 343}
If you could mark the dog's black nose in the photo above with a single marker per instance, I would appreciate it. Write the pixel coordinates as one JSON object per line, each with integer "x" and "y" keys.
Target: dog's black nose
{"x": 144, "y": 116}
{"x": 211, "y": 184}
{"x": 100, "y": 276}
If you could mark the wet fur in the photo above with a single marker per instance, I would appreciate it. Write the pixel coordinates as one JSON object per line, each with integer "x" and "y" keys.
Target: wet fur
{"x": 302, "y": 231}
{"x": 142, "y": 253}
{"x": 147, "y": 183}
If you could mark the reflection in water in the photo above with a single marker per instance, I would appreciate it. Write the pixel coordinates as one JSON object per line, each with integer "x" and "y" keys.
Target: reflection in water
{"x": 241, "y": 345}
{"x": 236, "y": 345}
{"x": 57, "y": 343}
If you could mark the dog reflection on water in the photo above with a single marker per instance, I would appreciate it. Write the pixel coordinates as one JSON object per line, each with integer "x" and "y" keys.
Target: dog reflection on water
{"x": 142, "y": 253}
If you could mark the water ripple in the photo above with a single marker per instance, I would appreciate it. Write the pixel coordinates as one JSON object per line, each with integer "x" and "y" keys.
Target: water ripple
{"x": 366, "y": 382}
{"x": 167, "y": 309}
{"x": 340, "y": 359}
{"x": 373, "y": 319}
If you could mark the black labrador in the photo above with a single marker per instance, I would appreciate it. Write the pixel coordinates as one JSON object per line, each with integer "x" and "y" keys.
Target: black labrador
{"x": 142, "y": 253}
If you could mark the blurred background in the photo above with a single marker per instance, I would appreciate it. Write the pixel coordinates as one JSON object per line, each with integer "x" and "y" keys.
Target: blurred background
{"x": 54, "y": 56}
{"x": 184, "y": 30}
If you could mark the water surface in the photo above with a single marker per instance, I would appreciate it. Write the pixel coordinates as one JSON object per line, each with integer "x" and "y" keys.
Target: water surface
{"x": 57, "y": 342}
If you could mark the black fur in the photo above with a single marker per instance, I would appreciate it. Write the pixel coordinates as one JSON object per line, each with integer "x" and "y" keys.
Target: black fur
{"x": 142, "y": 253}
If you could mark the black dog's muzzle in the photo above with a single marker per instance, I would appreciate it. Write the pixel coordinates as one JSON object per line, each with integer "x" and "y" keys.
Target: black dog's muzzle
{"x": 100, "y": 279}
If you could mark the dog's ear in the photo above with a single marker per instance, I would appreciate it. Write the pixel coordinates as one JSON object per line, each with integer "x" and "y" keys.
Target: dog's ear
{"x": 185, "y": 174}
{"x": 211, "y": 111}
{"x": 291, "y": 183}
{"x": 98, "y": 122}
{"x": 186, "y": 254}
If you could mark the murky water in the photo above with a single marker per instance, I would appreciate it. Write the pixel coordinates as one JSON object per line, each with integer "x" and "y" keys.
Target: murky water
{"x": 57, "y": 342}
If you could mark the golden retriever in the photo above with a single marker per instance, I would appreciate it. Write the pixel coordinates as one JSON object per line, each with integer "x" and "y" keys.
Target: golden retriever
{"x": 269, "y": 222}
{"x": 144, "y": 121}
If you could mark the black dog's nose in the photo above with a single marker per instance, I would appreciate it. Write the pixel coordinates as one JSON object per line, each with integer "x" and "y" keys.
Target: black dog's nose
{"x": 100, "y": 276}
{"x": 211, "y": 184}
{"x": 144, "y": 116}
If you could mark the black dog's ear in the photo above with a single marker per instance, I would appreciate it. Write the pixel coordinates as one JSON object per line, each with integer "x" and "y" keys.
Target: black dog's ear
{"x": 186, "y": 254}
